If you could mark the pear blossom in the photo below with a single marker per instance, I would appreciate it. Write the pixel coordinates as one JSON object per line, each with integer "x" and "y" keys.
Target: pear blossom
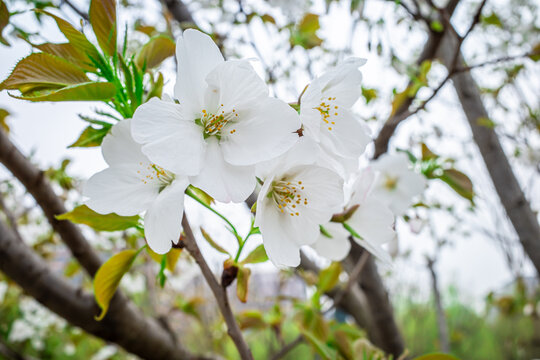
{"x": 397, "y": 185}
{"x": 133, "y": 184}
{"x": 327, "y": 117}
{"x": 295, "y": 199}
{"x": 371, "y": 222}
{"x": 224, "y": 124}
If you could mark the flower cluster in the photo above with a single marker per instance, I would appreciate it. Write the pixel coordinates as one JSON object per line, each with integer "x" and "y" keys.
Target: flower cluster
{"x": 223, "y": 132}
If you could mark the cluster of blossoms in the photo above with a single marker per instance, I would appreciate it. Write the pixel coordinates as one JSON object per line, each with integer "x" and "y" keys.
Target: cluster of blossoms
{"x": 223, "y": 133}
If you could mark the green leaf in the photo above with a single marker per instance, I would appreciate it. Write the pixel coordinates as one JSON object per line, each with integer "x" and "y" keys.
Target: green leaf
{"x": 213, "y": 243}
{"x": 90, "y": 91}
{"x": 459, "y": 182}
{"x": 155, "y": 51}
{"x": 492, "y": 19}
{"x": 67, "y": 52}
{"x": 320, "y": 347}
{"x": 258, "y": 255}
{"x": 3, "y": 124}
{"x": 436, "y": 26}
{"x": 203, "y": 196}
{"x": 305, "y": 33}
{"x": 436, "y": 356}
{"x": 110, "y": 222}
{"x": 369, "y": 94}
{"x": 242, "y": 283}
{"x": 427, "y": 154}
{"x": 329, "y": 277}
{"x": 108, "y": 278}
{"x": 43, "y": 71}
{"x": 172, "y": 257}
{"x": 535, "y": 53}
{"x": 4, "y": 21}
{"x": 156, "y": 89}
{"x": 91, "y": 137}
{"x": 74, "y": 36}
{"x": 103, "y": 19}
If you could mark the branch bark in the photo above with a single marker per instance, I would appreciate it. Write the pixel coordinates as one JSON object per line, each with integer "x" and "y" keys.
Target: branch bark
{"x": 123, "y": 325}
{"x": 517, "y": 207}
{"x": 439, "y": 310}
{"x": 219, "y": 291}
{"x": 39, "y": 187}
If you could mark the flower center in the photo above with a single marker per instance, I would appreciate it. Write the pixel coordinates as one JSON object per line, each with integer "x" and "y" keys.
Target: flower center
{"x": 288, "y": 196}
{"x": 153, "y": 172}
{"x": 214, "y": 123}
{"x": 328, "y": 111}
{"x": 390, "y": 182}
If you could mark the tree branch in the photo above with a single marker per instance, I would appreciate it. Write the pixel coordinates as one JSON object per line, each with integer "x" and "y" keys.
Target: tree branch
{"x": 123, "y": 325}
{"x": 220, "y": 292}
{"x": 289, "y": 347}
{"x": 39, "y": 187}
{"x": 507, "y": 186}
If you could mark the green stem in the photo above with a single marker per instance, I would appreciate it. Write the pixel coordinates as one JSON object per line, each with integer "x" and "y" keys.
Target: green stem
{"x": 191, "y": 194}
{"x": 252, "y": 230}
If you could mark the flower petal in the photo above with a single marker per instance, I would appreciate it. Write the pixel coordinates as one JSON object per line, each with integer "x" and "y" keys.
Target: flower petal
{"x": 346, "y": 136}
{"x": 374, "y": 223}
{"x": 120, "y": 190}
{"x": 281, "y": 250}
{"x": 221, "y": 180}
{"x": 197, "y": 56}
{"x": 236, "y": 85}
{"x": 303, "y": 152}
{"x": 163, "y": 220}
{"x": 262, "y": 133}
{"x": 323, "y": 189}
{"x": 335, "y": 248}
{"x": 119, "y": 148}
{"x": 169, "y": 139}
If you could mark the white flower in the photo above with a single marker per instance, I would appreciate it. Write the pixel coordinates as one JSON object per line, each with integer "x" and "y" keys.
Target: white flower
{"x": 224, "y": 124}
{"x": 371, "y": 222}
{"x": 397, "y": 185}
{"x": 105, "y": 353}
{"x": 326, "y": 115}
{"x": 293, "y": 202}
{"x": 133, "y": 184}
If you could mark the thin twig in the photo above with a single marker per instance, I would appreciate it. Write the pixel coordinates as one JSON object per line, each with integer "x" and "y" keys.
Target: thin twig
{"x": 285, "y": 350}
{"x": 12, "y": 220}
{"x": 76, "y": 9}
{"x": 219, "y": 292}
{"x": 353, "y": 278}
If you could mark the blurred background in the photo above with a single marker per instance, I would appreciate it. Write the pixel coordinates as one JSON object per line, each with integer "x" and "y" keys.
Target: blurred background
{"x": 461, "y": 281}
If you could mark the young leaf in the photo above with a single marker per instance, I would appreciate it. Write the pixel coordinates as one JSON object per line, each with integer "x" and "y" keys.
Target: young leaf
{"x": 213, "y": 243}
{"x": 90, "y": 91}
{"x": 110, "y": 222}
{"x": 459, "y": 182}
{"x": 242, "y": 283}
{"x": 258, "y": 255}
{"x": 91, "y": 137}
{"x": 329, "y": 277}
{"x": 320, "y": 347}
{"x": 75, "y": 37}
{"x": 45, "y": 70}
{"x": 4, "y": 21}
{"x": 103, "y": 19}
{"x": 3, "y": 124}
{"x": 172, "y": 257}
{"x": 154, "y": 52}
{"x": 67, "y": 52}
{"x": 108, "y": 278}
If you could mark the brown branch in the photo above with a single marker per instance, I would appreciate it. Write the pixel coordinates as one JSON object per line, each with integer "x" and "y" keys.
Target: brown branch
{"x": 219, "y": 291}
{"x": 289, "y": 347}
{"x": 76, "y": 9}
{"x": 507, "y": 186}
{"x": 439, "y": 310}
{"x": 180, "y": 13}
{"x": 353, "y": 278}
{"x": 123, "y": 325}
{"x": 39, "y": 187}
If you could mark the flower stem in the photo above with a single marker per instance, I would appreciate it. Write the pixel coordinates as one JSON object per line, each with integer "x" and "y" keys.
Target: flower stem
{"x": 232, "y": 229}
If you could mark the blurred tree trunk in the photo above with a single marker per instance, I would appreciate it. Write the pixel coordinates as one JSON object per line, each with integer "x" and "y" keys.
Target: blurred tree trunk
{"x": 517, "y": 207}
{"x": 442, "y": 326}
